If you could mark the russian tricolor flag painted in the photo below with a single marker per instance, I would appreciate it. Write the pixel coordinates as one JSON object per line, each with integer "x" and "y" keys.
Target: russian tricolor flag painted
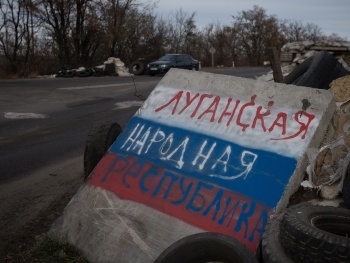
{"x": 217, "y": 161}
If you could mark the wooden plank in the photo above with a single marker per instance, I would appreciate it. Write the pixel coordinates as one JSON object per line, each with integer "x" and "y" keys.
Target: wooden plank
{"x": 328, "y": 48}
{"x": 275, "y": 64}
{"x": 286, "y": 57}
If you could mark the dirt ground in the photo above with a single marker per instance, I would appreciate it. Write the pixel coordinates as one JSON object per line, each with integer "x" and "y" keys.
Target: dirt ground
{"x": 30, "y": 206}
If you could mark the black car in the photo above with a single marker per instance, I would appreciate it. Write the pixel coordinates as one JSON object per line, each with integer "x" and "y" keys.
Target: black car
{"x": 163, "y": 64}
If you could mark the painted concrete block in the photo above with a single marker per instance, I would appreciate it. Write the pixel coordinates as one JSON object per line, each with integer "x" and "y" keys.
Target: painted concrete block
{"x": 209, "y": 152}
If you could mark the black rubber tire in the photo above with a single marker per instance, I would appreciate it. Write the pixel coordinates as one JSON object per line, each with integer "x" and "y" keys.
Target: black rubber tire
{"x": 318, "y": 75}
{"x": 338, "y": 71}
{"x": 99, "y": 139}
{"x": 206, "y": 247}
{"x": 346, "y": 188}
{"x": 324, "y": 69}
{"x": 70, "y": 74}
{"x": 317, "y": 72}
{"x": 137, "y": 67}
{"x": 298, "y": 72}
{"x": 110, "y": 69}
{"x": 98, "y": 72}
{"x": 316, "y": 233}
{"x": 84, "y": 74}
{"x": 272, "y": 250}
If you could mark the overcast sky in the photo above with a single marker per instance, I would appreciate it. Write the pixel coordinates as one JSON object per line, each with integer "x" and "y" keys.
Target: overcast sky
{"x": 332, "y": 16}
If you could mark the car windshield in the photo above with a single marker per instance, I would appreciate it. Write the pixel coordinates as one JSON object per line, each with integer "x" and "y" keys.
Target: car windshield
{"x": 168, "y": 58}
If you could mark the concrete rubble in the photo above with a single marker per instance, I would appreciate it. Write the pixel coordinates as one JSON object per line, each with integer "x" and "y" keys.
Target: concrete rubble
{"x": 328, "y": 164}
{"x": 185, "y": 165}
{"x": 112, "y": 67}
{"x": 311, "y": 45}
{"x": 120, "y": 68}
{"x": 293, "y": 54}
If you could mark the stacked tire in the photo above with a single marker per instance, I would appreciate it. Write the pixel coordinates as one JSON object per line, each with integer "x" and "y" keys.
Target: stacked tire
{"x": 98, "y": 72}
{"x": 137, "y": 67}
{"x": 206, "y": 247}
{"x": 84, "y": 73}
{"x": 346, "y": 188}
{"x": 100, "y": 138}
{"x": 317, "y": 71}
{"x": 306, "y": 233}
{"x": 110, "y": 69}
{"x": 70, "y": 73}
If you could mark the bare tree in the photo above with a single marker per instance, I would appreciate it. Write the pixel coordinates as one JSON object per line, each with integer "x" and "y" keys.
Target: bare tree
{"x": 32, "y": 27}
{"x": 57, "y": 18}
{"x": 334, "y": 38}
{"x": 313, "y": 32}
{"x": 114, "y": 15}
{"x": 91, "y": 34}
{"x": 128, "y": 26}
{"x": 155, "y": 45}
{"x": 12, "y": 37}
{"x": 213, "y": 39}
{"x": 231, "y": 44}
{"x": 75, "y": 27}
{"x": 181, "y": 26}
{"x": 79, "y": 34}
{"x": 140, "y": 31}
{"x": 19, "y": 29}
{"x": 194, "y": 45}
{"x": 293, "y": 30}
{"x": 85, "y": 32}
{"x": 254, "y": 28}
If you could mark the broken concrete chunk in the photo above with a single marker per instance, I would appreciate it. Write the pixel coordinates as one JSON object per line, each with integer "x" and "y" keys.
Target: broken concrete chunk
{"x": 205, "y": 152}
{"x": 341, "y": 89}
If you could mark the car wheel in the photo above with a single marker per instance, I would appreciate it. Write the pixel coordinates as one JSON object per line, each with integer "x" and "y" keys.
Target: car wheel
{"x": 316, "y": 233}
{"x": 206, "y": 247}
{"x": 272, "y": 250}
{"x": 99, "y": 139}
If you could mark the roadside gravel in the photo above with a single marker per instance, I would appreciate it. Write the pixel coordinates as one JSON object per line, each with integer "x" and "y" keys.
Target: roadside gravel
{"x": 29, "y": 206}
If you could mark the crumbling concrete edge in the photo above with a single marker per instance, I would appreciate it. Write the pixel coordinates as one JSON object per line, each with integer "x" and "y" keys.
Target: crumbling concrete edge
{"x": 300, "y": 171}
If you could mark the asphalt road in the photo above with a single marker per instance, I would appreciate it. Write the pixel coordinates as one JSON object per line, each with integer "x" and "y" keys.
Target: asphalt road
{"x": 69, "y": 106}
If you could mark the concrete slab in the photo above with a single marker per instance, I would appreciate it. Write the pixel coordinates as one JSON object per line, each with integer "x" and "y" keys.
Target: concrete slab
{"x": 205, "y": 152}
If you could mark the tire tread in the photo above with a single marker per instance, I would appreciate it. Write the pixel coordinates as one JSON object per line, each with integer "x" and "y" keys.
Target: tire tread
{"x": 99, "y": 139}
{"x": 303, "y": 242}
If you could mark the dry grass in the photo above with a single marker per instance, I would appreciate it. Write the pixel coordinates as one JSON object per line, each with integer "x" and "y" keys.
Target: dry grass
{"x": 48, "y": 251}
